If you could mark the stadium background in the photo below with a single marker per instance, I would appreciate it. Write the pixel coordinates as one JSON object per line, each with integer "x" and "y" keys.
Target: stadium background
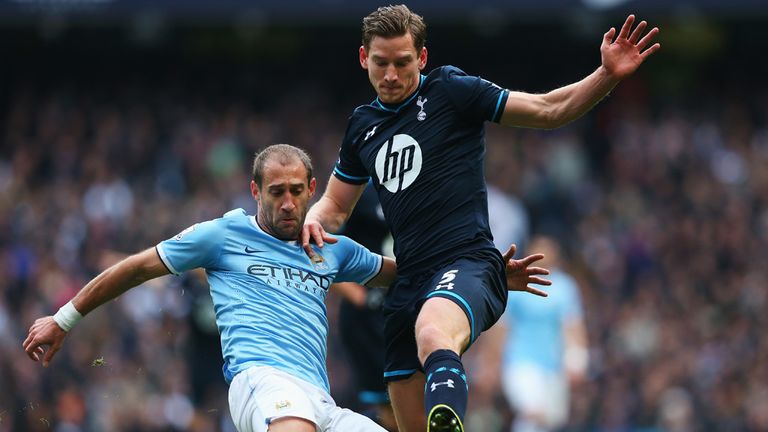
{"x": 121, "y": 123}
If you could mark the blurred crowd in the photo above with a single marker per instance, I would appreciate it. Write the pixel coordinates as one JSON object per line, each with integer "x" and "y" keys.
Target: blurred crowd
{"x": 661, "y": 208}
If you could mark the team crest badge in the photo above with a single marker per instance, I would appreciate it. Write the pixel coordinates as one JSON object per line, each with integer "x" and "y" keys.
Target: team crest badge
{"x": 421, "y": 116}
{"x": 318, "y": 261}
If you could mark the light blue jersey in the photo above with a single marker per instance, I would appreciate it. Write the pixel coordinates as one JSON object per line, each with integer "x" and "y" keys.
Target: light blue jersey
{"x": 536, "y": 324}
{"x": 267, "y": 294}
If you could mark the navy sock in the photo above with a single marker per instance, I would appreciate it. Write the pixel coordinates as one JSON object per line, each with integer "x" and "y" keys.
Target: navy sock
{"x": 446, "y": 382}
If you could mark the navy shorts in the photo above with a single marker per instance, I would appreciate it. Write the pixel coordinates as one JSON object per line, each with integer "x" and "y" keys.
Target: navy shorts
{"x": 476, "y": 282}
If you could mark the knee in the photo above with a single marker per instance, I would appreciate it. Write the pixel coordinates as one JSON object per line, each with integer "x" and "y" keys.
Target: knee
{"x": 430, "y": 338}
{"x": 441, "y": 325}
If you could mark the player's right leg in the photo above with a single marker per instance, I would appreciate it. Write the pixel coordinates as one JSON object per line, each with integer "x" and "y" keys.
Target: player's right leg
{"x": 407, "y": 398}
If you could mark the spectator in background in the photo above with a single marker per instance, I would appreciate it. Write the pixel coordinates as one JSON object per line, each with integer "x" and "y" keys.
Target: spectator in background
{"x": 545, "y": 351}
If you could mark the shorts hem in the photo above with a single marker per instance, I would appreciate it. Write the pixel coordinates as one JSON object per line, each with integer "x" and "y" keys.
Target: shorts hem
{"x": 399, "y": 375}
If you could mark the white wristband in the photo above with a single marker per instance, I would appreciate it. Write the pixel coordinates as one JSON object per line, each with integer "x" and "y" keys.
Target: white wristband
{"x": 67, "y": 316}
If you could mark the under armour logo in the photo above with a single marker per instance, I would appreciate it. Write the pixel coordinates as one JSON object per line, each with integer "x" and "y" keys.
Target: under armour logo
{"x": 446, "y": 281}
{"x": 421, "y": 115}
{"x": 448, "y": 383}
{"x": 370, "y": 133}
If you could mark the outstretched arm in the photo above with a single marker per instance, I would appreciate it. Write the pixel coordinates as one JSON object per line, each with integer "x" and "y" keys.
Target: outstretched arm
{"x": 520, "y": 273}
{"x": 112, "y": 282}
{"x": 620, "y": 58}
{"x": 329, "y": 213}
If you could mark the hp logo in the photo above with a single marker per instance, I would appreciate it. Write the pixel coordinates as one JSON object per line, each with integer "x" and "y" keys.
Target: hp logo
{"x": 398, "y": 162}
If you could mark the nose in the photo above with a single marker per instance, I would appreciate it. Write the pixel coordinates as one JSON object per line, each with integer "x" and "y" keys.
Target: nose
{"x": 287, "y": 205}
{"x": 390, "y": 73}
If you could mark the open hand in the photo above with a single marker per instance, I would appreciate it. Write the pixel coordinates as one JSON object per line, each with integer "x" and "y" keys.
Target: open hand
{"x": 623, "y": 55}
{"x": 520, "y": 273}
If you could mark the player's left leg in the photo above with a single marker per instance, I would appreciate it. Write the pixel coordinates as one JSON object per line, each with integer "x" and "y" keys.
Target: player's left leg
{"x": 442, "y": 331}
{"x": 463, "y": 299}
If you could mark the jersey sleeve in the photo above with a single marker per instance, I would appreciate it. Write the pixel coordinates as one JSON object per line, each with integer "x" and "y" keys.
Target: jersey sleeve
{"x": 476, "y": 98}
{"x": 197, "y": 246}
{"x": 356, "y": 263}
{"x": 349, "y": 168}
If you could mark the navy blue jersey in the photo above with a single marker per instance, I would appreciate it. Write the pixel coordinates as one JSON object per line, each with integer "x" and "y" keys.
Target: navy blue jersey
{"x": 425, "y": 156}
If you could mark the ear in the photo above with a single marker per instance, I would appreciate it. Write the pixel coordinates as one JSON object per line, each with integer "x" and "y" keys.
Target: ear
{"x": 312, "y": 187}
{"x": 254, "y": 190}
{"x": 363, "y": 58}
{"x": 423, "y": 58}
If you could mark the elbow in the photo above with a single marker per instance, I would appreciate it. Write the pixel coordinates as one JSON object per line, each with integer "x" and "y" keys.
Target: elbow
{"x": 554, "y": 118}
{"x": 546, "y": 115}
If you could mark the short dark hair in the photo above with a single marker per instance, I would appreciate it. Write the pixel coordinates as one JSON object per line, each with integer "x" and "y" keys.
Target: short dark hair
{"x": 286, "y": 154}
{"x": 393, "y": 21}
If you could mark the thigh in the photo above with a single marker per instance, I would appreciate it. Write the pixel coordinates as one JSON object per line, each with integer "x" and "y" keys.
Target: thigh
{"x": 407, "y": 398}
{"x": 477, "y": 285}
{"x": 441, "y": 324}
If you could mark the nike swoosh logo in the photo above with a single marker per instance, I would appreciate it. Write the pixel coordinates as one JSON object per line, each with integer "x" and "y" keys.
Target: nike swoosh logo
{"x": 249, "y": 250}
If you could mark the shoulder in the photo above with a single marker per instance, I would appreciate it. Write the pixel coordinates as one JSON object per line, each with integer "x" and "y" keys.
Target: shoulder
{"x": 225, "y": 222}
{"x": 449, "y": 79}
{"x": 360, "y": 118}
{"x": 444, "y": 73}
{"x": 345, "y": 246}
{"x": 342, "y": 245}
